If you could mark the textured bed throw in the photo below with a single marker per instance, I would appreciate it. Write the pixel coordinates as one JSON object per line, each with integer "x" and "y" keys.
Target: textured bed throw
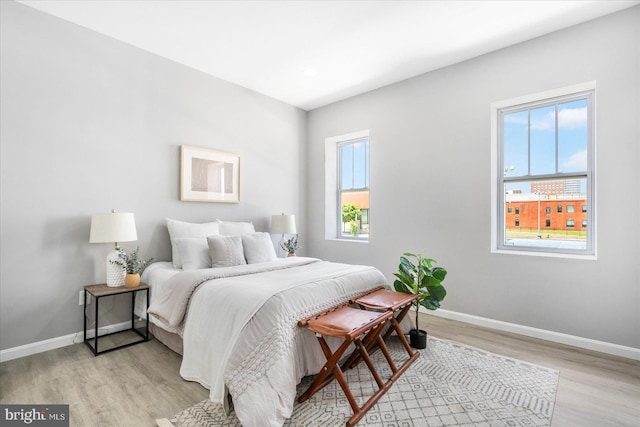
{"x": 240, "y": 332}
{"x": 449, "y": 384}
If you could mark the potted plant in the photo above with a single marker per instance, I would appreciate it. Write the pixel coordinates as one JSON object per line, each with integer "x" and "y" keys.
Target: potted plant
{"x": 418, "y": 275}
{"x": 132, "y": 265}
{"x": 290, "y": 245}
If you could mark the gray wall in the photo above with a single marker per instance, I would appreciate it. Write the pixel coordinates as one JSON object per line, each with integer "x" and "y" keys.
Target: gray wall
{"x": 90, "y": 124}
{"x": 430, "y": 181}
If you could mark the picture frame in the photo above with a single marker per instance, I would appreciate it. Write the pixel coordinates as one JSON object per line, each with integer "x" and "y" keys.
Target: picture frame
{"x": 209, "y": 175}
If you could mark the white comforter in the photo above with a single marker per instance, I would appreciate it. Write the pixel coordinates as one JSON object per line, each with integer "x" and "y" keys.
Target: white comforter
{"x": 240, "y": 332}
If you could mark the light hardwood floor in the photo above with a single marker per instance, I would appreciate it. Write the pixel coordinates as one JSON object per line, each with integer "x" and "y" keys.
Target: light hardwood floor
{"x": 133, "y": 386}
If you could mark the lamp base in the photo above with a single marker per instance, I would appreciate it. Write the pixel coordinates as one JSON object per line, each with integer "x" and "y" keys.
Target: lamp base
{"x": 115, "y": 273}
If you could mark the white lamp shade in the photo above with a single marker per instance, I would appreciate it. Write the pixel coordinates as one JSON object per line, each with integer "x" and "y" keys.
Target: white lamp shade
{"x": 113, "y": 227}
{"x": 283, "y": 224}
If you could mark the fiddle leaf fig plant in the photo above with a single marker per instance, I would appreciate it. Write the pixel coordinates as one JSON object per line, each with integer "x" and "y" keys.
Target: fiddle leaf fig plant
{"x": 419, "y": 275}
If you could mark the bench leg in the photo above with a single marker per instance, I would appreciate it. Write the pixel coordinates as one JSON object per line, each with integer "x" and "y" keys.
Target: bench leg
{"x": 383, "y": 387}
{"x": 321, "y": 379}
{"x": 372, "y": 343}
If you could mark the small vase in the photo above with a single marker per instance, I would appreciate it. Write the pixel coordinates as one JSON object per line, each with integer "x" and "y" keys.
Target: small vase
{"x": 290, "y": 254}
{"x": 132, "y": 280}
{"x": 418, "y": 338}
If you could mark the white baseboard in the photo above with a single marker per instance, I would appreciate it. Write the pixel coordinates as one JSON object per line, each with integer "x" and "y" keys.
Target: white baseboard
{"x": 63, "y": 341}
{"x": 586, "y": 343}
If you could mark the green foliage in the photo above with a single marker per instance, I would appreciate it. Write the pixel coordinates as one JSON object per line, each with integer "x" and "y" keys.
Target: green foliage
{"x": 350, "y": 212}
{"x": 418, "y": 275}
{"x": 290, "y": 245}
{"x": 353, "y": 228}
{"x": 131, "y": 263}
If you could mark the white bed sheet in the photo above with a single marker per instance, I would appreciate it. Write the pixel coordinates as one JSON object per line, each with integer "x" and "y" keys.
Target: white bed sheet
{"x": 156, "y": 275}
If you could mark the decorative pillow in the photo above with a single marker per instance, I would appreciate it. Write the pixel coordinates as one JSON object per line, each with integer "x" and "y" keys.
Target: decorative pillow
{"x": 178, "y": 229}
{"x": 258, "y": 247}
{"x": 226, "y": 251}
{"x": 194, "y": 252}
{"x": 231, "y": 228}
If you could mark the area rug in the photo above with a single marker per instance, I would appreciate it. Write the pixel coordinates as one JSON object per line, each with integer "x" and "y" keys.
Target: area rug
{"x": 448, "y": 385}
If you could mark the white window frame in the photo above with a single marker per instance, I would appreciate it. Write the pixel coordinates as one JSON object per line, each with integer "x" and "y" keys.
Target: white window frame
{"x": 332, "y": 217}
{"x": 497, "y": 186}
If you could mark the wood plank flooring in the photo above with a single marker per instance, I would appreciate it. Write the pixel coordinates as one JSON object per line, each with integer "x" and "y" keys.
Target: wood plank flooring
{"x": 594, "y": 389}
{"x": 133, "y": 386}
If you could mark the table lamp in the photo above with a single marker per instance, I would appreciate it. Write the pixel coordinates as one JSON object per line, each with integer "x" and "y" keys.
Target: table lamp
{"x": 283, "y": 224}
{"x": 113, "y": 227}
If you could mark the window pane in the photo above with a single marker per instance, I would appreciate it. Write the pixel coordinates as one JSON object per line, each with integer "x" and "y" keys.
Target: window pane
{"x": 359, "y": 165}
{"x": 543, "y": 221}
{"x": 572, "y": 136}
{"x": 367, "y": 164}
{"x": 354, "y": 194}
{"x": 346, "y": 167}
{"x": 543, "y": 140}
{"x": 516, "y": 153}
{"x": 355, "y": 214}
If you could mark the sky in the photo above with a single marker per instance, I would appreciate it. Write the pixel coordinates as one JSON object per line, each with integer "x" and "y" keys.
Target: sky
{"x": 541, "y": 158}
{"x": 355, "y": 165}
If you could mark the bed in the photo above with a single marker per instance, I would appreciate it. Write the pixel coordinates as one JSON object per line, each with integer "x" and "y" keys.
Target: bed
{"x": 236, "y": 325}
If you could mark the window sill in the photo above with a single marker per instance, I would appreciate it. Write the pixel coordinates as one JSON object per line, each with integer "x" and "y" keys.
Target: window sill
{"x": 545, "y": 254}
{"x": 335, "y": 239}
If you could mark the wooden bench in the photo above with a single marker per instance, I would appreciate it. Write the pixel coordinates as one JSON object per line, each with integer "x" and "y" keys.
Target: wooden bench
{"x": 399, "y": 304}
{"x": 353, "y": 326}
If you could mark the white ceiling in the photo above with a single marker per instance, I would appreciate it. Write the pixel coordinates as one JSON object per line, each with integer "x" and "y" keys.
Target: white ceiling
{"x": 354, "y": 46}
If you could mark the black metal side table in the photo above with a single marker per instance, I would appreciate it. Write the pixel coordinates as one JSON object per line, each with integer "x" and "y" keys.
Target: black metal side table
{"x": 102, "y": 290}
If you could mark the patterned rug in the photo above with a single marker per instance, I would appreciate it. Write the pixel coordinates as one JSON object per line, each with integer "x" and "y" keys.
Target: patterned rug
{"x": 448, "y": 385}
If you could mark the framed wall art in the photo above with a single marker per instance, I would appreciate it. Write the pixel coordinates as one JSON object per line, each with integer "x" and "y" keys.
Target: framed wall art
{"x": 209, "y": 175}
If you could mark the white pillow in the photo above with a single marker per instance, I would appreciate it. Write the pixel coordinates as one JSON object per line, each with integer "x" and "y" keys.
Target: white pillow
{"x": 194, "y": 252}
{"x": 231, "y": 228}
{"x": 225, "y": 251}
{"x": 178, "y": 229}
{"x": 258, "y": 247}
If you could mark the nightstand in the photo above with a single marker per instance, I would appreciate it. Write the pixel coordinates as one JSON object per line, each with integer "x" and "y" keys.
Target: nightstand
{"x": 101, "y": 291}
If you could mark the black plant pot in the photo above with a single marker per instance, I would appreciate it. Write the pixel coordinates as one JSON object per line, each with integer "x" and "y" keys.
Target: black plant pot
{"x": 418, "y": 338}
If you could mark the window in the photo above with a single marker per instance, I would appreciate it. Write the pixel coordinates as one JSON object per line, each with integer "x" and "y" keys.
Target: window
{"x": 543, "y": 155}
{"x": 517, "y": 222}
{"x": 584, "y": 208}
{"x": 353, "y": 187}
{"x": 509, "y": 209}
{"x": 347, "y": 210}
{"x": 584, "y": 223}
{"x": 517, "y": 211}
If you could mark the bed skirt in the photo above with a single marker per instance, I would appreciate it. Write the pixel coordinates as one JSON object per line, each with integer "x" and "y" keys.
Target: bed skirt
{"x": 171, "y": 340}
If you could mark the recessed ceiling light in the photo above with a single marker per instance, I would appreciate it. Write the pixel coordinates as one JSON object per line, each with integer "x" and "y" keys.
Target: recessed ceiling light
{"x": 310, "y": 72}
